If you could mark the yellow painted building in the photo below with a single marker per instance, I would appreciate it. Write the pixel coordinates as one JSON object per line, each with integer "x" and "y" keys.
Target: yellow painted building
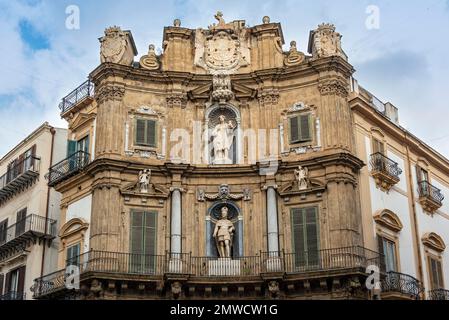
{"x": 228, "y": 168}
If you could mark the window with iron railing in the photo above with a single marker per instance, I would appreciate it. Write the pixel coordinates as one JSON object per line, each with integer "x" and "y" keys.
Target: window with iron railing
{"x": 380, "y": 163}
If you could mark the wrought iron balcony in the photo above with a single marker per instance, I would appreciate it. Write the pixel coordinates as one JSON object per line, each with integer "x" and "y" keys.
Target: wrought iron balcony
{"x": 397, "y": 284}
{"x": 13, "y": 295}
{"x": 81, "y": 96}
{"x": 439, "y": 294}
{"x": 67, "y": 167}
{"x": 430, "y": 197}
{"x": 28, "y": 229}
{"x": 126, "y": 265}
{"x": 18, "y": 177}
{"x": 385, "y": 171}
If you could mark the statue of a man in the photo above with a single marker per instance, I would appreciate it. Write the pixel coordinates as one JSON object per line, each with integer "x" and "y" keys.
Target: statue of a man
{"x": 223, "y": 233}
{"x": 144, "y": 180}
{"x": 302, "y": 176}
{"x": 223, "y": 135}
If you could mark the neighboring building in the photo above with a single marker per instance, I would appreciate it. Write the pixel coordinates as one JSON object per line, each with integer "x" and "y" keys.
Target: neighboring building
{"x": 403, "y": 208}
{"x": 29, "y": 211}
{"x": 227, "y": 168}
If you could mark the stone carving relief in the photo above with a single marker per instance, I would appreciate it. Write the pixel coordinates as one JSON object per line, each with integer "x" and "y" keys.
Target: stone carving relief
{"x": 109, "y": 92}
{"x": 268, "y": 96}
{"x": 294, "y": 57}
{"x": 176, "y": 289}
{"x": 117, "y": 46}
{"x": 177, "y": 100}
{"x": 150, "y": 60}
{"x": 224, "y": 193}
{"x": 222, "y": 91}
{"x": 273, "y": 288}
{"x": 144, "y": 180}
{"x": 337, "y": 87}
{"x": 223, "y": 48}
{"x": 326, "y": 42}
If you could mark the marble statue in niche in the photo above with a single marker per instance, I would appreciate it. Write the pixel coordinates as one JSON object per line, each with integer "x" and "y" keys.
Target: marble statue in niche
{"x": 223, "y": 137}
{"x": 223, "y": 234}
{"x": 302, "y": 177}
{"x": 144, "y": 180}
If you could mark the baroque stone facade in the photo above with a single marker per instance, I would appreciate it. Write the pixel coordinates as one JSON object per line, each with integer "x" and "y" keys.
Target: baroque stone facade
{"x": 222, "y": 128}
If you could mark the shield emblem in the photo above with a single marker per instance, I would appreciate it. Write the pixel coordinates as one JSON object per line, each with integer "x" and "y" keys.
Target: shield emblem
{"x": 221, "y": 52}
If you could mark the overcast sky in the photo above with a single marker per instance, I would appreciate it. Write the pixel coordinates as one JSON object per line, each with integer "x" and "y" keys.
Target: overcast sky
{"x": 404, "y": 61}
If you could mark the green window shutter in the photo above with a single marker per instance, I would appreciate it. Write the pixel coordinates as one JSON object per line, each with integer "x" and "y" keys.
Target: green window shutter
{"x": 2, "y": 278}
{"x": 143, "y": 241}
{"x": 311, "y": 239}
{"x": 140, "y": 132}
{"x": 137, "y": 232}
{"x": 71, "y": 147}
{"x": 304, "y": 127}
{"x": 151, "y": 133}
{"x": 305, "y": 235}
{"x": 294, "y": 130}
{"x": 436, "y": 274}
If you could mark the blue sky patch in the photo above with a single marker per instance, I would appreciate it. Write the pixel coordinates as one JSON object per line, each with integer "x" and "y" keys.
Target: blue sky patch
{"x": 32, "y": 37}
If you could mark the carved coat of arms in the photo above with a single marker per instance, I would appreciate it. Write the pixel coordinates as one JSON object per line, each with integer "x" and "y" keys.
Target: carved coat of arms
{"x": 113, "y": 45}
{"x": 222, "y": 52}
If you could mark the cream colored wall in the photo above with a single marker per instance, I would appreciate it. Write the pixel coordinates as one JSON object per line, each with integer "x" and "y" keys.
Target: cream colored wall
{"x": 34, "y": 199}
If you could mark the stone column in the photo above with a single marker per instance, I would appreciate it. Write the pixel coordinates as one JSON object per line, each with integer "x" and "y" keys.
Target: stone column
{"x": 272, "y": 220}
{"x": 175, "y": 229}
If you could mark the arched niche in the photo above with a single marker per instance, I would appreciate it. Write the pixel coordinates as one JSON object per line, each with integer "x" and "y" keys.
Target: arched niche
{"x": 231, "y": 113}
{"x": 235, "y": 216}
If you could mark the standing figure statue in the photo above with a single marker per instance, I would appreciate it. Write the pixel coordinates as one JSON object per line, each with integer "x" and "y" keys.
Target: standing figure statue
{"x": 223, "y": 234}
{"x": 144, "y": 180}
{"x": 223, "y": 135}
{"x": 302, "y": 176}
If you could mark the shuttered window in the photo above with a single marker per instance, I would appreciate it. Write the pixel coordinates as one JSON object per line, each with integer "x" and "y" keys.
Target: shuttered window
{"x": 388, "y": 249}
{"x": 378, "y": 146}
{"x": 73, "y": 253}
{"x": 143, "y": 235}
{"x": 145, "y": 133}
{"x": 3, "y": 227}
{"x": 436, "y": 274}
{"x": 71, "y": 147}
{"x": 305, "y": 234}
{"x": 2, "y": 278}
{"x": 21, "y": 221}
{"x": 300, "y": 128}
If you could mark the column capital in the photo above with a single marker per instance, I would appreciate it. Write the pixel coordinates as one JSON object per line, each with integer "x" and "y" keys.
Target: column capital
{"x": 267, "y": 186}
{"x": 180, "y": 189}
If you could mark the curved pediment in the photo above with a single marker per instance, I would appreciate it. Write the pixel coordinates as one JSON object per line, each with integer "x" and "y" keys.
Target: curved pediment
{"x": 434, "y": 241}
{"x": 73, "y": 226}
{"x": 388, "y": 219}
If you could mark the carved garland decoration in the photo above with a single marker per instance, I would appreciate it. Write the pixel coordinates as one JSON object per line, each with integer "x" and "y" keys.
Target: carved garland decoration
{"x": 337, "y": 87}
{"x": 109, "y": 92}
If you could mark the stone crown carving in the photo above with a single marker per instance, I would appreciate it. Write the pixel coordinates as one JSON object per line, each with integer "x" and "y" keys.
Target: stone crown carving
{"x": 222, "y": 90}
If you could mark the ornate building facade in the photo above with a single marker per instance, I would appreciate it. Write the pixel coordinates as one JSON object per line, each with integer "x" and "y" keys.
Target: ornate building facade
{"x": 223, "y": 168}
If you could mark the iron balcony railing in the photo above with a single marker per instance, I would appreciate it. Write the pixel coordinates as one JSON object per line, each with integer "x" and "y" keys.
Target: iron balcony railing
{"x": 381, "y": 163}
{"x": 20, "y": 174}
{"x": 67, "y": 167}
{"x": 439, "y": 294}
{"x": 32, "y": 225}
{"x": 402, "y": 283}
{"x": 84, "y": 91}
{"x": 354, "y": 258}
{"x": 13, "y": 295}
{"x": 426, "y": 190}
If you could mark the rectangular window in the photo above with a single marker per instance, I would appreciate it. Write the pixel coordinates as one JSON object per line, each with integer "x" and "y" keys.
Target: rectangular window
{"x": 73, "y": 255}
{"x": 388, "y": 249}
{"x": 83, "y": 144}
{"x": 143, "y": 241}
{"x": 21, "y": 221}
{"x": 15, "y": 283}
{"x": 300, "y": 129}
{"x": 305, "y": 234}
{"x": 145, "y": 133}
{"x": 3, "y": 230}
{"x": 436, "y": 274}
{"x": 2, "y": 279}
